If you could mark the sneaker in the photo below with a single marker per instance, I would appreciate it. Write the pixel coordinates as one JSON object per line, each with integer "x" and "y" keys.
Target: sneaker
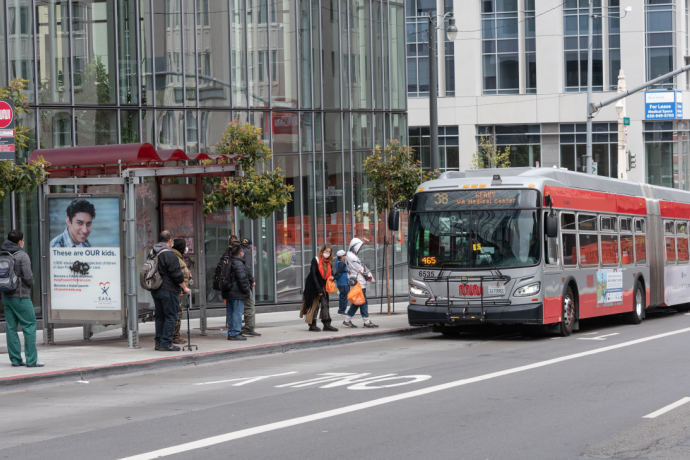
{"x": 237, "y": 337}
{"x": 158, "y": 346}
{"x": 341, "y": 313}
{"x": 314, "y": 329}
{"x": 180, "y": 341}
{"x": 170, "y": 348}
{"x": 251, "y": 334}
{"x": 19, "y": 364}
{"x": 349, "y": 324}
{"x": 330, "y": 328}
{"x": 370, "y": 325}
{"x": 36, "y": 364}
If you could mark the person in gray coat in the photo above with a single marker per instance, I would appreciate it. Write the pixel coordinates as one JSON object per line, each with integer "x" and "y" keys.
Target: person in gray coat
{"x": 248, "y": 330}
{"x": 18, "y": 307}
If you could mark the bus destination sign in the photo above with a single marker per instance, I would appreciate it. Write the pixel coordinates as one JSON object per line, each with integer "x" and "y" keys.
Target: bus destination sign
{"x": 475, "y": 199}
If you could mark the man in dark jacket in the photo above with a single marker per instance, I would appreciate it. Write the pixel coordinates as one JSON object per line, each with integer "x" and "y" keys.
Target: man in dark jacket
{"x": 18, "y": 307}
{"x": 167, "y": 297}
{"x": 236, "y": 290}
{"x": 249, "y": 311}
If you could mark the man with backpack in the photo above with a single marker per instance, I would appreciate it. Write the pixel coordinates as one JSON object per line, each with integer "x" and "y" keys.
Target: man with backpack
{"x": 232, "y": 280}
{"x": 16, "y": 279}
{"x": 166, "y": 296}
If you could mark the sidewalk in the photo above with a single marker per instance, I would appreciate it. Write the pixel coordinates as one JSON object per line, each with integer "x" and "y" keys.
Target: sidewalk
{"x": 73, "y": 358}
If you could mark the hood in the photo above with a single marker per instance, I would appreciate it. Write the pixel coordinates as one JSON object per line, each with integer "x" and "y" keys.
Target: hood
{"x": 158, "y": 247}
{"x": 10, "y": 247}
{"x": 177, "y": 253}
{"x": 355, "y": 244}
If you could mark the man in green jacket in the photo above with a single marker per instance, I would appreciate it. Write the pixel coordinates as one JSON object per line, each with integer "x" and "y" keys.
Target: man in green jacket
{"x": 18, "y": 307}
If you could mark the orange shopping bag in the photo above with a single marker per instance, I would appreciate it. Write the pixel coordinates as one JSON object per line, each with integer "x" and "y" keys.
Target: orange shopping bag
{"x": 331, "y": 287}
{"x": 356, "y": 295}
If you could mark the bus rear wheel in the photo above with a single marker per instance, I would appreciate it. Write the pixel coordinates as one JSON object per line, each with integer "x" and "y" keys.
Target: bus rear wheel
{"x": 635, "y": 316}
{"x": 566, "y": 325}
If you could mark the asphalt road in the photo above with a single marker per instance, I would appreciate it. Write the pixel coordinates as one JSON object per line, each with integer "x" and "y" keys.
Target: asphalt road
{"x": 499, "y": 394}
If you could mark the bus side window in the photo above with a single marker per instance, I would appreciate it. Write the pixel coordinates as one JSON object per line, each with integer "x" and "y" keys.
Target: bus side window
{"x": 627, "y": 241}
{"x": 569, "y": 248}
{"x": 670, "y": 249}
{"x": 551, "y": 247}
{"x": 567, "y": 221}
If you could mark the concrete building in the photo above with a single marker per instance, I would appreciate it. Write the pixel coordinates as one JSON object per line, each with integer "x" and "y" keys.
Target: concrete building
{"x": 518, "y": 72}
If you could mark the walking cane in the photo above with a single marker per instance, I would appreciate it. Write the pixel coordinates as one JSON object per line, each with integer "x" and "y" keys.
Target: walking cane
{"x": 189, "y": 330}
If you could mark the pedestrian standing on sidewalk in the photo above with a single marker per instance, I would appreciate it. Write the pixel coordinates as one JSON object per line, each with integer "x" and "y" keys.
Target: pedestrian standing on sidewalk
{"x": 18, "y": 307}
{"x": 167, "y": 297}
{"x": 235, "y": 290}
{"x": 358, "y": 273}
{"x": 179, "y": 247}
{"x": 315, "y": 296}
{"x": 249, "y": 310}
{"x": 341, "y": 281}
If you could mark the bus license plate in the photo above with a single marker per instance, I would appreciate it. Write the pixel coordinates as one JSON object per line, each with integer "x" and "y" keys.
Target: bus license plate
{"x": 497, "y": 290}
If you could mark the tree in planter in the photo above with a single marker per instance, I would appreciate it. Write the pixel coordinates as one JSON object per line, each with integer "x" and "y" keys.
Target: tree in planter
{"x": 394, "y": 176}
{"x": 23, "y": 177}
{"x": 489, "y": 155}
{"x": 255, "y": 195}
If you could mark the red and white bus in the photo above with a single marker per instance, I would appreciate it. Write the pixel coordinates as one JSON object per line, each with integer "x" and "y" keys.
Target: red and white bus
{"x": 545, "y": 247}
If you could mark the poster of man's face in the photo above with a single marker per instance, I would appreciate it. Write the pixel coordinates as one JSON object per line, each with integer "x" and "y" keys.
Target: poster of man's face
{"x": 84, "y": 222}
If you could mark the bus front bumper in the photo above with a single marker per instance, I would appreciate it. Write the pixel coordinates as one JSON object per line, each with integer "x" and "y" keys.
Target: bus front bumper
{"x": 424, "y": 315}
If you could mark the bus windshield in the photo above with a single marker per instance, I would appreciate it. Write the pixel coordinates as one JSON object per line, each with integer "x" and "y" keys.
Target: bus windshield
{"x": 475, "y": 239}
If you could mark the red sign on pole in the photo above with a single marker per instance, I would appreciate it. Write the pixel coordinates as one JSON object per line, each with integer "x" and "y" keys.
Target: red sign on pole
{"x": 7, "y": 130}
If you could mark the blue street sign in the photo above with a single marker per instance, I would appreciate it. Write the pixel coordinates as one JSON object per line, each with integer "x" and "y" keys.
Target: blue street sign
{"x": 660, "y": 105}
{"x": 679, "y": 105}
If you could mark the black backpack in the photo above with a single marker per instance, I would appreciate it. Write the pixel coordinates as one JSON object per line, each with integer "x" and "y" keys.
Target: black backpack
{"x": 222, "y": 278}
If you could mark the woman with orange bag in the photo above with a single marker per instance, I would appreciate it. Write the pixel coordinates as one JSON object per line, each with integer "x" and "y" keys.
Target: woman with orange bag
{"x": 358, "y": 273}
{"x": 315, "y": 293}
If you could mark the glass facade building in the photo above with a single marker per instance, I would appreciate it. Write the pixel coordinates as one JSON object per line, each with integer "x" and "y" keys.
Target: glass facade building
{"x": 323, "y": 79}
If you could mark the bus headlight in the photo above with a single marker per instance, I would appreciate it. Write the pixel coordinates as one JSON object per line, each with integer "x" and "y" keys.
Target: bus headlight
{"x": 416, "y": 291}
{"x": 529, "y": 290}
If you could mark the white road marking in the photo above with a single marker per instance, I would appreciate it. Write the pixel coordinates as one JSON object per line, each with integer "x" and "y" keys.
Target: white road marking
{"x": 365, "y": 385}
{"x": 687, "y": 314}
{"x": 556, "y": 338}
{"x": 663, "y": 410}
{"x": 601, "y": 337}
{"x": 201, "y": 443}
{"x": 245, "y": 380}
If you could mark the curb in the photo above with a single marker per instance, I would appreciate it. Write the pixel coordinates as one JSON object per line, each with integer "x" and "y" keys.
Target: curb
{"x": 194, "y": 359}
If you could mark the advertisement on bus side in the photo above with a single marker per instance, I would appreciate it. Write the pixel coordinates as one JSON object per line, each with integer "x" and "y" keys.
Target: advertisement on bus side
{"x": 609, "y": 287}
{"x": 676, "y": 284}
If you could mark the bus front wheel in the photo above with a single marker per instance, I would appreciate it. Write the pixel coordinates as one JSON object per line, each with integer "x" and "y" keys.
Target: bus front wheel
{"x": 635, "y": 316}
{"x": 569, "y": 307}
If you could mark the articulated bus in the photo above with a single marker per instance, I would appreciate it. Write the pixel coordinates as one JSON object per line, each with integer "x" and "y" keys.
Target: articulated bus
{"x": 544, "y": 246}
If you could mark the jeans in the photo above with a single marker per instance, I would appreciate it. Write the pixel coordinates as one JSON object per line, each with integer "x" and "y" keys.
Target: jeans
{"x": 364, "y": 308}
{"x": 167, "y": 305}
{"x": 233, "y": 313}
{"x": 342, "y": 302}
{"x": 249, "y": 314}
{"x": 20, "y": 312}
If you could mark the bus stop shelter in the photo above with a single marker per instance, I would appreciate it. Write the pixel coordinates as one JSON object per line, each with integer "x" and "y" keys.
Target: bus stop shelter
{"x": 116, "y": 172}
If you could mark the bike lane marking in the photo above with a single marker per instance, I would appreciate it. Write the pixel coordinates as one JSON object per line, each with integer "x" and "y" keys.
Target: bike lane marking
{"x": 213, "y": 440}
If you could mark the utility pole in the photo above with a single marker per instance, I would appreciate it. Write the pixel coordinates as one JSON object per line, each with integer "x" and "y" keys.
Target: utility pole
{"x": 433, "y": 97}
{"x": 589, "y": 88}
{"x": 622, "y": 131}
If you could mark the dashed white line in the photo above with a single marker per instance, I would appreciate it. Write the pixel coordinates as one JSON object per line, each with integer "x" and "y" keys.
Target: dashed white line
{"x": 201, "y": 443}
{"x": 663, "y": 410}
{"x": 601, "y": 337}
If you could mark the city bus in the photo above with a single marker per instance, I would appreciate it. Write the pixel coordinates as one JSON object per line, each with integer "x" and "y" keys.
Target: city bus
{"x": 544, "y": 246}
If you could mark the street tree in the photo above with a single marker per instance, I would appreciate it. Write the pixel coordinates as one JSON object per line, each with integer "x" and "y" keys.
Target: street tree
{"x": 489, "y": 155}
{"x": 394, "y": 176}
{"x": 20, "y": 178}
{"x": 255, "y": 194}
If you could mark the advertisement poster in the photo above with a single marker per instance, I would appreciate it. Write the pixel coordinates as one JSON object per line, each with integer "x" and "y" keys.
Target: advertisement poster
{"x": 676, "y": 284}
{"x": 609, "y": 287}
{"x": 84, "y": 253}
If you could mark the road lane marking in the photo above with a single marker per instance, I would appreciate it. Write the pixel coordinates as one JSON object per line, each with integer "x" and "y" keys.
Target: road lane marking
{"x": 601, "y": 337}
{"x": 201, "y": 443}
{"x": 663, "y": 410}
{"x": 245, "y": 380}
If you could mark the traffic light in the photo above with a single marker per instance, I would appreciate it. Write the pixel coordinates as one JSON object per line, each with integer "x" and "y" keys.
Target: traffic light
{"x": 632, "y": 160}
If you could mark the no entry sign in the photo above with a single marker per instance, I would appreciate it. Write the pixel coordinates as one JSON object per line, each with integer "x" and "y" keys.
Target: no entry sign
{"x": 7, "y": 129}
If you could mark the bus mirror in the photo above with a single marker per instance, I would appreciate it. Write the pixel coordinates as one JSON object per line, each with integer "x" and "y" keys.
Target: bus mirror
{"x": 551, "y": 225}
{"x": 394, "y": 220}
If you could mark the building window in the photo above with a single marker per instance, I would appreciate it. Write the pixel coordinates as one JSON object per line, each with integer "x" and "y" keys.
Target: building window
{"x": 667, "y": 153}
{"x": 576, "y": 44}
{"x": 530, "y": 48}
{"x": 417, "y": 25}
{"x": 604, "y": 147}
{"x": 500, "y": 58}
{"x": 614, "y": 44}
{"x": 448, "y": 146}
{"x": 523, "y": 142}
{"x": 660, "y": 18}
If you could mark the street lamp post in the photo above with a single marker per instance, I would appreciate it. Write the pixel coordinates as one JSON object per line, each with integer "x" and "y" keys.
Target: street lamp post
{"x": 452, "y": 32}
